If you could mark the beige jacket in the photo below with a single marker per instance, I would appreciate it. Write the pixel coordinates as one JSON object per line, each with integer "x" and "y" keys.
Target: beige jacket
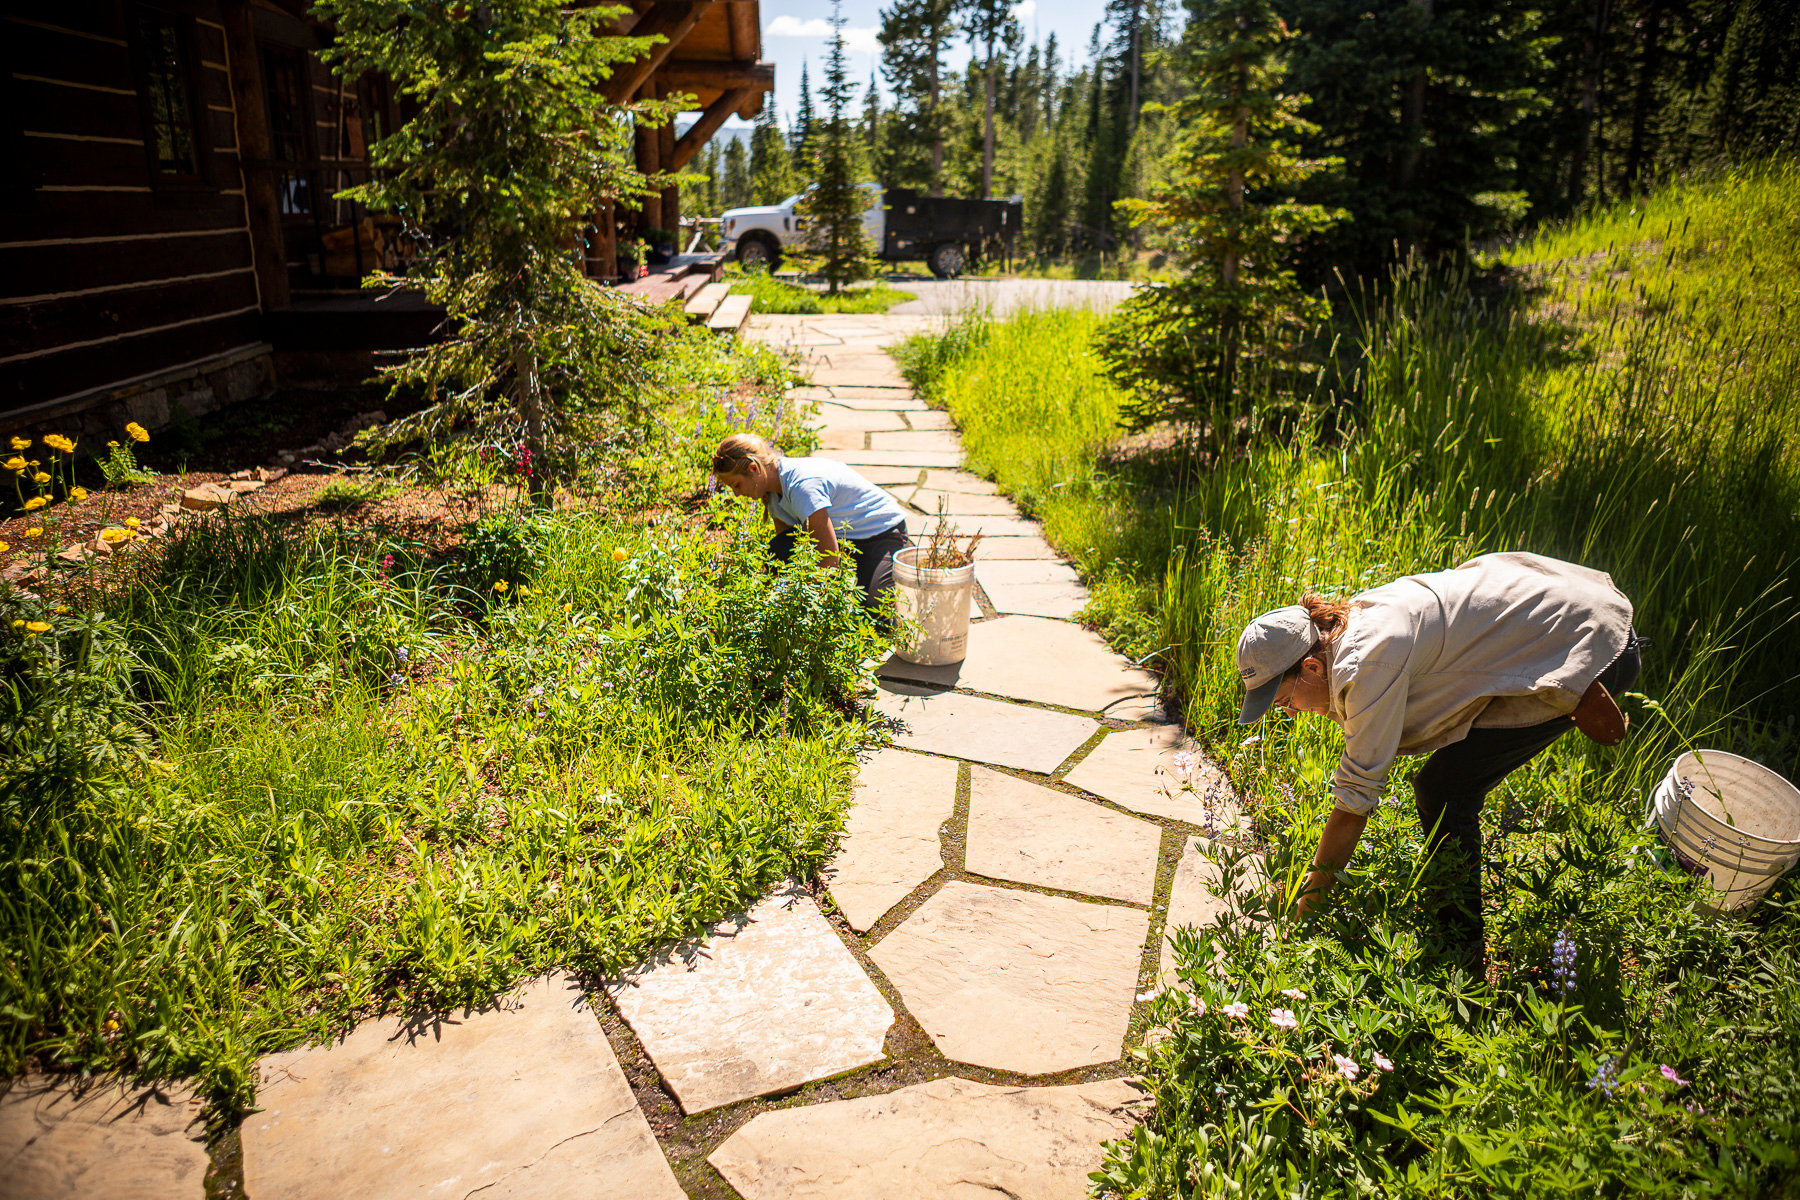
{"x": 1503, "y": 641}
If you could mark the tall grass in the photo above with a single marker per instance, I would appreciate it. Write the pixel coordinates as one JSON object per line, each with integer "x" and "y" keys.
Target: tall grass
{"x": 1637, "y": 412}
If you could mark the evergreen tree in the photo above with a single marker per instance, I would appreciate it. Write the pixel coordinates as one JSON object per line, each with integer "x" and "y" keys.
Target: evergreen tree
{"x": 734, "y": 183}
{"x": 914, "y": 36}
{"x": 1207, "y": 348}
{"x": 988, "y": 24}
{"x": 833, "y": 209}
{"x": 803, "y": 122}
{"x": 771, "y": 165}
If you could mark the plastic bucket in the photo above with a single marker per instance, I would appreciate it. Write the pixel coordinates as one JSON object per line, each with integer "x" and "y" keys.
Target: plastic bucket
{"x": 1734, "y": 823}
{"x": 934, "y": 608}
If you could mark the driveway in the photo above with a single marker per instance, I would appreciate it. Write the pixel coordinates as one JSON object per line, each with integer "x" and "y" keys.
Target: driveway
{"x": 1003, "y": 297}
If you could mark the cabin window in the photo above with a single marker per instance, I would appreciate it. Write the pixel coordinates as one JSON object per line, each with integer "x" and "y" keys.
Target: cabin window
{"x": 169, "y": 109}
{"x": 290, "y": 127}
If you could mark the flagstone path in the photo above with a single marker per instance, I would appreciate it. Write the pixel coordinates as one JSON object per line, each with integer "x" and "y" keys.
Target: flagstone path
{"x": 954, "y": 1021}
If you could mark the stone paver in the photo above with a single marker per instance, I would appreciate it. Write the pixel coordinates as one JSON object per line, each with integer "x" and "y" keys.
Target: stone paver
{"x": 60, "y": 1141}
{"x": 935, "y": 419}
{"x": 1055, "y": 662}
{"x": 1033, "y": 834}
{"x": 521, "y": 1100}
{"x": 837, "y": 418}
{"x": 959, "y": 481}
{"x": 963, "y": 504}
{"x": 1016, "y": 980}
{"x": 770, "y": 1000}
{"x": 891, "y": 843}
{"x": 889, "y": 476}
{"x": 918, "y": 439}
{"x": 1135, "y": 768}
{"x": 1031, "y": 587}
{"x": 949, "y": 1138}
{"x": 1006, "y": 735}
{"x": 1191, "y": 899}
{"x": 895, "y": 458}
{"x": 1031, "y": 547}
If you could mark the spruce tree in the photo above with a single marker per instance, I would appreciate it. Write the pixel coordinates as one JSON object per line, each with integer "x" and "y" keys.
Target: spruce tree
{"x": 734, "y": 186}
{"x": 988, "y": 24}
{"x": 771, "y": 166}
{"x": 803, "y": 124}
{"x": 1210, "y": 347}
{"x": 914, "y": 37}
{"x": 833, "y": 209}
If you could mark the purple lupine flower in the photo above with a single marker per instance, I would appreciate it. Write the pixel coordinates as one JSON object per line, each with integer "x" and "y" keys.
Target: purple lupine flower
{"x": 1673, "y": 1076}
{"x": 1606, "y": 1078}
{"x": 1562, "y": 963}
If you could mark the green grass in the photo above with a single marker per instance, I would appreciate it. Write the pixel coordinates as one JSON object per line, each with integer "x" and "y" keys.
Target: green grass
{"x": 1641, "y": 419}
{"x": 775, "y": 296}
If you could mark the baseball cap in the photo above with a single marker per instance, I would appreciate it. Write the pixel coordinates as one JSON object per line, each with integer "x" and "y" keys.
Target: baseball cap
{"x": 1270, "y": 645}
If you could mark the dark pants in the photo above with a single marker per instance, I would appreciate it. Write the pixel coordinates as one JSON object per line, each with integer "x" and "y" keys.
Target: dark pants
{"x": 1454, "y": 783}
{"x": 872, "y": 557}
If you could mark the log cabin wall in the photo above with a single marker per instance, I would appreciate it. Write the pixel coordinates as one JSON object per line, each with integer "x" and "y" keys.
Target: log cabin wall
{"x": 128, "y": 285}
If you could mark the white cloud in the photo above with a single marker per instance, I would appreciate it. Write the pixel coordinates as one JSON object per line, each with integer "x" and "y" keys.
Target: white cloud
{"x": 857, "y": 39}
{"x": 1025, "y": 10}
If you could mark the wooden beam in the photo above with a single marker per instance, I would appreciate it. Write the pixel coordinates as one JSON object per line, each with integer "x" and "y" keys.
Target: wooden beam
{"x": 647, "y": 143}
{"x": 267, "y": 244}
{"x": 701, "y": 131}
{"x": 670, "y": 19}
{"x": 670, "y": 216}
{"x": 692, "y": 75}
{"x": 746, "y": 40}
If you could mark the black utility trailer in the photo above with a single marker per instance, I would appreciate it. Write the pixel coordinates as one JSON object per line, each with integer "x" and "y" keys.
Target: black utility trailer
{"x": 948, "y": 233}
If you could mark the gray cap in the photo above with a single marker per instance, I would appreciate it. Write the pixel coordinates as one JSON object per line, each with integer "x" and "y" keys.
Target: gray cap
{"x": 1271, "y": 644}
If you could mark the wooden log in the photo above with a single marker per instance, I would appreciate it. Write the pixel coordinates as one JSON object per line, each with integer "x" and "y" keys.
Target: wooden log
{"x": 61, "y": 269}
{"x": 671, "y": 195}
{"x": 64, "y": 373}
{"x": 701, "y": 131}
{"x": 29, "y": 328}
{"x": 669, "y": 19}
{"x": 268, "y": 248}
{"x": 686, "y": 75}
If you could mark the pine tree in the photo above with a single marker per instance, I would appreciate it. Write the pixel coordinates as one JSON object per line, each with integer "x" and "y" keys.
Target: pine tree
{"x": 834, "y": 208}
{"x": 771, "y": 165}
{"x": 988, "y": 23}
{"x": 734, "y": 185}
{"x": 914, "y": 37}
{"x": 803, "y": 122}
{"x": 1208, "y": 348}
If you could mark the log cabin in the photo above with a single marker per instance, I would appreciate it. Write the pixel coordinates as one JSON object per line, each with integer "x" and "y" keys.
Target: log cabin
{"x": 171, "y": 236}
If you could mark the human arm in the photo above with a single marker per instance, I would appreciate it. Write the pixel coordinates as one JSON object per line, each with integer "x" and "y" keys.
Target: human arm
{"x": 1343, "y": 829}
{"x": 824, "y": 533}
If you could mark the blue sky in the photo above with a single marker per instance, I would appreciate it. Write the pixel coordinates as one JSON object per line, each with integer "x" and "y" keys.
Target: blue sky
{"x": 796, "y": 32}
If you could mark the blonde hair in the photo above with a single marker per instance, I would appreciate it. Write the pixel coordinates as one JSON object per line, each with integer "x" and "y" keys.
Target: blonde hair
{"x": 737, "y": 452}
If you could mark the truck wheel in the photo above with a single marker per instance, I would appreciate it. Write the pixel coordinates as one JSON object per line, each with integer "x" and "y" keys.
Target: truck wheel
{"x": 758, "y": 253}
{"x": 947, "y": 260}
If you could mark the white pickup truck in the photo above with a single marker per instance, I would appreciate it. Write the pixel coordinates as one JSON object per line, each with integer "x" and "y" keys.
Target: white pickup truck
{"x": 901, "y": 224}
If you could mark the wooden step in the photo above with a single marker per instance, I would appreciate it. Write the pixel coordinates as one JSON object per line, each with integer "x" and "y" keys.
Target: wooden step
{"x": 731, "y": 314}
{"x": 708, "y": 298}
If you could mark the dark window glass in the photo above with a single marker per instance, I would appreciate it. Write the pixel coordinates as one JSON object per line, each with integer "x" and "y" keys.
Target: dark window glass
{"x": 284, "y": 75}
{"x": 166, "y": 91}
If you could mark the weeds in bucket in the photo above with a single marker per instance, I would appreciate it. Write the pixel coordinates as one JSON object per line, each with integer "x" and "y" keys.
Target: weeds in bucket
{"x": 941, "y": 550}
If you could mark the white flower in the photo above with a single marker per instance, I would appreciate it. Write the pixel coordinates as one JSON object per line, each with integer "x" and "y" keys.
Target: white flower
{"x": 1146, "y": 997}
{"x": 1346, "y": 1067}
{"x": 1199, "y": 1006}
{"x": 1237, "y": 1010}
{"x": 1282, "y": 1018}
{"x": 1383, "y": 1061}
{"x": 1184, "y": 763}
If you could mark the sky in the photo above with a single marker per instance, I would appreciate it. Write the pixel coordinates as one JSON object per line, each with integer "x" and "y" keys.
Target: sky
{"x": 798, "y": 31}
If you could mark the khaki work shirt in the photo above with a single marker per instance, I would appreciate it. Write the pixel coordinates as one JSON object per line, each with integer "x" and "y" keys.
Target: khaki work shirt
{"x": 1503, "y": 641}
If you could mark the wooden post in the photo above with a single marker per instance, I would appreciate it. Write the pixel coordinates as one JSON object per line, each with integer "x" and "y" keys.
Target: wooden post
{"x": 268, "y": 248}
{"x": 647, "y": 143}
{"x": 671, "y": 195}
{"x": 606, "y": 241}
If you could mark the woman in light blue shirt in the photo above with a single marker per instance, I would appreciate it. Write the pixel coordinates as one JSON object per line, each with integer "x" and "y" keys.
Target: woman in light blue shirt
{"x": 830, "y": 501}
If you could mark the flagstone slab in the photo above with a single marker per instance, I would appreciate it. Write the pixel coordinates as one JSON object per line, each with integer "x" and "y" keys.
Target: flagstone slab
{"x": 1032, "y": 587}
{"x": 1011, "y": 547}
{"x": 1191, "y": 899}
{"x": 842, "y": 439}
{"x": 964, "y": 504}
{"x": 935, "y": 418}
{"x": 988, "y": 731}
{"x": 854, "y": 396}
{"x": 960, "y": 481}
{"x": 836, "y": 418}
{"x": 64, "y": 1140}
{"x": 1136, "y": 769}
{"x": 860, "y": 370}
{"x": 1015, "y": 980}
{"x": 918, "y": 439}
{"x": 1056, "y": 662}
{"x": 891, "y": 840}
{"x": 887, "y": 476}
{"x": 995, "y": 530}
{"x": 895, "y": 458}
{"x": 1032, "y": 834}
{"x": 523, "y": 1099}
{"x": 934, "y": 1141}
{"x": 769, "y": 1000}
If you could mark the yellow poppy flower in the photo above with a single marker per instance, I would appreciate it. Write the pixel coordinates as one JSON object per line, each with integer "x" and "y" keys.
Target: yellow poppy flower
{"x": 500, "y": 585}
{"x": 37, "y": 626}
{"x": 114, "y": 534}
{"x": 41, "y": 477}
{"x": 16, "y": 464}
{"x": 619, "y": 555}
{"x": 19, "y": 622}
{"x": 114, "y": 444}
{"x": 137, "y": 432}
{"x": 78, "y": 493}
{"x": 133, "y": 522}
{"x": 568, "y": 608}
{"x": 35, "y": 531}
{"x": 19, "y": 443}
{"x": 35, "y": 502}
{"x": 57, "y": 441}
{"x": 62, "y": 608}
{"x": 4, "y": 547}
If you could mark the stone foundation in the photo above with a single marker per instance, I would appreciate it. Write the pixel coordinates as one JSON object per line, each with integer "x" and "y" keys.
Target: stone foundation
{"x": 153, "y": 401}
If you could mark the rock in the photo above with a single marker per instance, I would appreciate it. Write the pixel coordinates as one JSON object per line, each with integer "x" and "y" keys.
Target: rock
{"x": 1031, "y": 834}
{"x": 172, "y": 510}
{"x": 1054, "y": 662}
{"x": 917, "y": 439}
{"x": 65, "y": 1141}
{"x": 244, "y": 487}
{"x": 891, "y": 843}
{"x": 1135, "y": 768}
{"x": 1006, "y": 735}
{"x": 286, "y": 458}
{"x": 207, "y": 497}
{"x": 1015, "y": 980}
{"x": 946, "y": 1138}
{"x": 523, "y": 1099}
{"x": 770, "y": 1000}
{"x": 269, "y": 474}
{"x": 78, "y": 553}
{"x": 935, "y": 419}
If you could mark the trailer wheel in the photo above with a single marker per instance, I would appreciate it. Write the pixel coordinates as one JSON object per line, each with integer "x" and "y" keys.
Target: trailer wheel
{"x": 756, "y": 251}
{"x": 947, "y": 260}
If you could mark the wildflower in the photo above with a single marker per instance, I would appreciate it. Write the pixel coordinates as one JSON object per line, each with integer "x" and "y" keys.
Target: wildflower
{"x": 35, "y": 531}
{"x": 1562, "y": 963}
{"x": 396, "y": 680}
{"x": 500, "y": 585}
{"x": 1669, "y": 1073}
{"x": 619, "y": 554}
{"x": 1605, "y": 1078}
{"x": 55, "y": 441}
{"x": 568, "y": 608}
{"x": 1146, "y": 997}
{"x": 15, "y": 464}
{"x": 40, "y": 477}
{"x": 1283, "y": 1018}
{"x": 1347, "y": 1067}
{"x": 1184, "y": 763}
{"x": 78, "y": 493}
{"x": 19, "y": 622}
{"x": 1293, "y": 993}
{"x": 62, "y": 608}
{"x": 35, "y": 502}
{"x": 37, "y": 627}
{"x": 400, "y": 653}
{"x": 133, "y": 522}
{"x": 112, "y": 445}
{"x": 114, "y": 534}
{"x": 1382, "y": 1061}
{"x": 19, "y": 443}
{"x": 4, "y": 547}
{"x": 1199, "y": 1006}
{"x": 1237, "y": 1010}
{"x": 137, "y": 432}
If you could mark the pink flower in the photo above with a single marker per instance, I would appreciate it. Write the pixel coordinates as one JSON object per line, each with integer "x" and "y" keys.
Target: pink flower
{"x": 1383, "y": 1061}
{"x": 1293, "y": 993}
{"x": 1282, "y": 1018}
{"x": 1346, "y": 1067}
{"x": 1184, "y": 763}
{"x": 1199, "y": 1006}
{"x": 1237, "y": 1010}
{"x": 1669, "y": 1073}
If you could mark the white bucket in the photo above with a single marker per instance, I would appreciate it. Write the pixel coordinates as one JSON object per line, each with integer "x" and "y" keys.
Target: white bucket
{"x": 1737, "y": 826}
{"x": 934, "y": 609}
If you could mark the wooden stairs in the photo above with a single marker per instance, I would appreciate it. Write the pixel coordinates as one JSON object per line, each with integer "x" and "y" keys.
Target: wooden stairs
{"x": 695, "y": 282}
